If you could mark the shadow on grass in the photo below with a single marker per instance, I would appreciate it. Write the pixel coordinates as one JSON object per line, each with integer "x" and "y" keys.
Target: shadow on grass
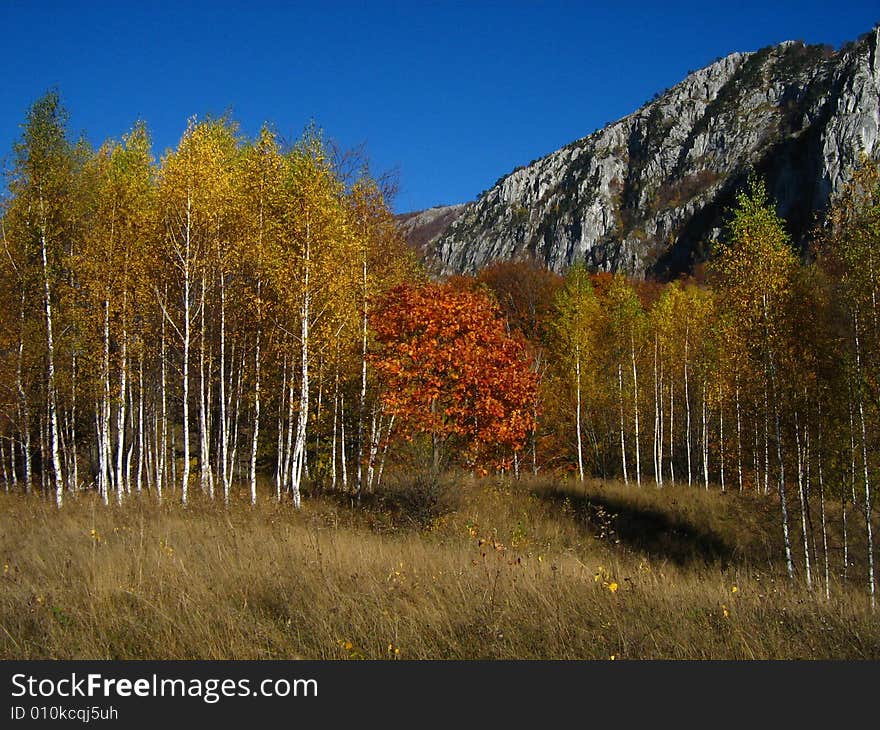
{"x": 413, "y": 501}
{"x": 654, "y": 533}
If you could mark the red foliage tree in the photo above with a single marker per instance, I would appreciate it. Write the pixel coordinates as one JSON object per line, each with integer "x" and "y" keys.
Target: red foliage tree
{"x": 451, "y": 371}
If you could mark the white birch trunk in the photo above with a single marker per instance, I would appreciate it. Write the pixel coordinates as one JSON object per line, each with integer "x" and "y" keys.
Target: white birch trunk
{"x": 3, "y": 462}
{"x": 362, "y": 405}
{"x": 173, "y": 437}
{"x": 661, "y": 423}
{"x": 808, "y": 573}
{"x": 120, "y": 411}
{"x": 782, "y": 497}
{"x": 162, "y": 450}
{"x": 153, "y": 455}
{"x": 207, "y": 484}
{"x": 384, "y": 452}
{"x": 822, "y": 515}
{"x": 622, "y": 426}
{"x": 25, "y": 426}
{"x": 636, "y": 409}
{"x": 375, "y": 436}
{"x": 50, "y": 371}
{"x": 129, "y": 454}
{"x": 766, "y": 441}
{"x": 100, "y": 480}
{"x": 756, "y": 450}
{"x": 141, "y": 435}
{"x": 104, "y": 479}
{"x": 288, "y": 446}
{"x": 255, "y": 437}
{"x": 224, "y": 422}
{"x": 739, "y": 453}
{"x": 342, "y": 456}
{"x": 303, "y": 416}
{"x": 74, "y": 466}
{"x": 843, "y": 500}
{"x": 672, "y": 428}
{"x": 44, "y": 455}
{"x": 705, "y": 436}
{"x": 867, "y": 482}
{"x": 580, "y": 447}
{"x": 280, "y": 458}
{"x": 771, "y": 368}
{"x": 319, "y": 405}
{"x": 13, "y": 464}
{"x": 656, "y": 452}
{"x": 335, "y": 429}
{"x": 721, "y": 435}
{"x": 687, "y": 407}
{"x": 7, "y": 480}
{"x": 187, "y": 316}
{"x": 233, "y": 447}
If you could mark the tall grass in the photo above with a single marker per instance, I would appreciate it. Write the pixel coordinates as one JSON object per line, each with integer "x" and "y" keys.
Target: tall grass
{"x": 478, "y": 569}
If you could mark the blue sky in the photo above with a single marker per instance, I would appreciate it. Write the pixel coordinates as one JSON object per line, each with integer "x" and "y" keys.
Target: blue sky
{"x": 451, "y": 95}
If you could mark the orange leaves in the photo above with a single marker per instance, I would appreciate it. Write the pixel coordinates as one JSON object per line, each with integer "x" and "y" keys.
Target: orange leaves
{"x": 451, "y": 371}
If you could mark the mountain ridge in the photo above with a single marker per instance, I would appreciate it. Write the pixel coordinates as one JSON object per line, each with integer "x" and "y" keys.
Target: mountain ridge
{"x": 647, "y": 194}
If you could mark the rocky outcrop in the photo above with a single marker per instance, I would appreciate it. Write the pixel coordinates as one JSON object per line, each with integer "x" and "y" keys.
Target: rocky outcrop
{"x": 422, "y": 228}
{"x": 648, "y": 194}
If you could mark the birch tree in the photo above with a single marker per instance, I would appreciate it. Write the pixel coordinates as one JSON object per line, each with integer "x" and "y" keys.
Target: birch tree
{"x": 43, "y": 186}
{"x": 576, "y": 326}
{"x": 754, "y": 269}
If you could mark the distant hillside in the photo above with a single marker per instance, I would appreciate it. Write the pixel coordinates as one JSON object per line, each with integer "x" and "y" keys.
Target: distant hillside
{"x": 422, "y": 228}
{"x": 647, "y": 194}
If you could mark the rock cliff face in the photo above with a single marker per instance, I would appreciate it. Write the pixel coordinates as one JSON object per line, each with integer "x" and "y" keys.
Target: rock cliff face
{"x": 648, "y": 193}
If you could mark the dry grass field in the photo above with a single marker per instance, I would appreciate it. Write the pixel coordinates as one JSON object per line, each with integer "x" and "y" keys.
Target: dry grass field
{"x": 493, "y": 568}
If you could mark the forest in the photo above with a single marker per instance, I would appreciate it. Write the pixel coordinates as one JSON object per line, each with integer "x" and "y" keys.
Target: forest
{"x": 236, "y": 334}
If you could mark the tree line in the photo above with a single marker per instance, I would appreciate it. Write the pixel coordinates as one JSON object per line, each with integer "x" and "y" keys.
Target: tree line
{"x": 244, "y": 307}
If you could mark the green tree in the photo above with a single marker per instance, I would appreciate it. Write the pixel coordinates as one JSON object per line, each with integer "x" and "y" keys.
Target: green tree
{"x": 753, "y": 271}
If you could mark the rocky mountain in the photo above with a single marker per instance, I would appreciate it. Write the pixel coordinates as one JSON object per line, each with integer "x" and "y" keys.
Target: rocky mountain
{"x": 647, "y": 194}
{"x": 422, "y": 228}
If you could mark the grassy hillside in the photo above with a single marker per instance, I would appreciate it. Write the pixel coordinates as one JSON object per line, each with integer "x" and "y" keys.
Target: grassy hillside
{"x": 474, "y": 569}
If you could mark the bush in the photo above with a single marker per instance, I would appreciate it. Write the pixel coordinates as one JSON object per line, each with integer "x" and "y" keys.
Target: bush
{"x": 421, "y": 496}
